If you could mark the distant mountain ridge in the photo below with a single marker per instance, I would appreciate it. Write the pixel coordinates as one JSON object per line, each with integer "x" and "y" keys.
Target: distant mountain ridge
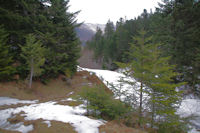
{"x": 87, "y": 30}
{"x": 94, "y": 26}
{"x": 85, "y": 33}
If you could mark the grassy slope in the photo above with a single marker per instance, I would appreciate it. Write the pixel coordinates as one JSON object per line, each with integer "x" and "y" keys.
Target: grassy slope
{"x": 56, "y": 89}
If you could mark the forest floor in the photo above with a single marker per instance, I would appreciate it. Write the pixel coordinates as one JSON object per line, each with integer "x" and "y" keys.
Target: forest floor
{"x": 56, "y": 90}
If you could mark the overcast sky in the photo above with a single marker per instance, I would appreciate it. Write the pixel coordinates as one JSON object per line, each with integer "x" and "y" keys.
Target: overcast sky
{"x": 99, "y": 11}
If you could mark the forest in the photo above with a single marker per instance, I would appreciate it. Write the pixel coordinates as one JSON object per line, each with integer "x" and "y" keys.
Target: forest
{"x": 175, "y": 26}
{"x": 37, "y": 39}
{"x": 158, "y": 54}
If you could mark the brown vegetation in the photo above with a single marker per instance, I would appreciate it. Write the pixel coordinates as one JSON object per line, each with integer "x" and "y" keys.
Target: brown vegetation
{"x": 56, "y": 89}
{"x": 117, "y": 127}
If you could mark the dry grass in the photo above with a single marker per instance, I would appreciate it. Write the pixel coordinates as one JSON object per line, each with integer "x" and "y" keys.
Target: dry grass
{"x": 41, "y": 127}
{"x": 6, "y": 131}
{"x": 56, "y": 90}
{"x": 56, "y": 127}
{"x": 69, "y": 103}
{"x": 115, "y": 127}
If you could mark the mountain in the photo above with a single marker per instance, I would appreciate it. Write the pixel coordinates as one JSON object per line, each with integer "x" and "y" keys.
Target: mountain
{"x": 87, "y": 30}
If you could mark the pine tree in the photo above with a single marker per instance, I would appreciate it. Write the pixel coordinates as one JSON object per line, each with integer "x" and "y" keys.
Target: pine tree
{"x": 97, "y": 44}
{"x": 154, "y": 75}
{"x": 162, "y": 89}
{"x": 53, "y": 25}
{"x": 33, "y": 53}
{"x": 61, "y": 39}
{"x": 139, "y": 56}
{"x": 178, "y": 30}
{"x": 6, "y": 68}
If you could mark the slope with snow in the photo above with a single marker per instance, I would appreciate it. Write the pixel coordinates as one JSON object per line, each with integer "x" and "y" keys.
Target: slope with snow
{"x": 75, "y": 115}
{"x": 48, "y": 111}
{"x": 189, "y": 106}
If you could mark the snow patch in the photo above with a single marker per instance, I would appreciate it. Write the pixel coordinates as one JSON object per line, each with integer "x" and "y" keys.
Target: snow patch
{"x": 10, "y": 101}
{"x": 50, "y": 111}
{"x": 48, "y": 123}
{"x": 70, "y": 93}
{"x": 4, "y": 124}
{"x": 113, "y": 80}
{"x": 190, "y": 106}
{"x": 69, "y": 99}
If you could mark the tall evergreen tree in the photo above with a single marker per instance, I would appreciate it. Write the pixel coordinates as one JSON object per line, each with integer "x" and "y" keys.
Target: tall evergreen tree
{"x": 52, "y": 24}
{"x": 179, "y": 36}
{"x": 138, "y": 67}
{"x": 6, "y": 68}
{"x": 154, "y": 75}
{"x": 61, "y": 39}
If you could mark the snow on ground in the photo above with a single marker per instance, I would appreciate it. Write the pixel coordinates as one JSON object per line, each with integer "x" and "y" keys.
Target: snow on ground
{"x": 190, "y": 106}
{"x": 10, "y": 101}
{"x": 49, "y": 111}
{"x": 110, "y": 78}
{"x": 68, "y": 99}
{"x": 48, "y": 123}
{"x": 70, "y": 93}
{"x": 75, "y": 115}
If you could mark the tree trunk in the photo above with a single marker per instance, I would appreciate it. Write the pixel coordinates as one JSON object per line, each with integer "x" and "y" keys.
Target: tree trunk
{"x": 31, "y": 74}
{"x": 140, "y": 108}
{"x": 153, "y": 111}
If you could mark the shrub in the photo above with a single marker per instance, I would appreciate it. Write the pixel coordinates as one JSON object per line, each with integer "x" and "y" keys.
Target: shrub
{"x": 98, "y": 100}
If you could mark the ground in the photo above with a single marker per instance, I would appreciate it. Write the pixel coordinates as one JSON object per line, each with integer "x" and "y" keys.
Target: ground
{"x": 55, "y": 90}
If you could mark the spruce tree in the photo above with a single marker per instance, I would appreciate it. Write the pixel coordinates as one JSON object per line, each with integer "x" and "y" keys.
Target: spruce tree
{"x": 33, "y": 53}
{"x": 154, "y": 75}
{"x": 52, "y": 24}
{"x": 161, "y": 87}
{"x": 61, "y": 39}
{"x": 177, "y": 28}
{"x": 139, "y": 55}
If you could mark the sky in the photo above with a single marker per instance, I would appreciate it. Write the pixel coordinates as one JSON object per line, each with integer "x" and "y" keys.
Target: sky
{"x": 100, "y": 11}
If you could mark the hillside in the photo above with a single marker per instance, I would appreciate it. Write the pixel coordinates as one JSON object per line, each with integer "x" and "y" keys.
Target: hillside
{"x": 44, "y": 108}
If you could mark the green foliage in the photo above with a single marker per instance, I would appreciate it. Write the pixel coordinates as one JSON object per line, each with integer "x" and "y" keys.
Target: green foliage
{"x": 114, "y": 43}
{"x": 33, "y": 53}
{"x": 33, "y": 50}
{"x": 99, "y": 100}
{"x": 6, "y": 68}
{"x": 52, "y": 25}
{"x": 155, "y": 75}
{"x": 175, "y": 25}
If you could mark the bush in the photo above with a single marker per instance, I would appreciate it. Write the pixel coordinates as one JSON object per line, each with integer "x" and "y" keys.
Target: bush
{"x": 98, "y": 100}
